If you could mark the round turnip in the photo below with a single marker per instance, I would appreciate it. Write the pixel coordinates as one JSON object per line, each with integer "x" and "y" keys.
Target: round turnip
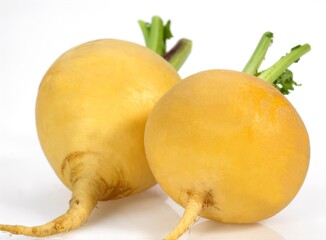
{"x": 229, "y": 146}
{"x": 91, "y": 110}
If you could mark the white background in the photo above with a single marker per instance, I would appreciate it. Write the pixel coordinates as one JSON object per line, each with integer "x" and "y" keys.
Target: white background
{"x": 34, "y": 33}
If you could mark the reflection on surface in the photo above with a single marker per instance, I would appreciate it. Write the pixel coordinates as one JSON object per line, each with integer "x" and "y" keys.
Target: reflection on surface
{"x": 145, "y": 216}
{"x": 205, "y": 229}
{"x": 150, "y": 216}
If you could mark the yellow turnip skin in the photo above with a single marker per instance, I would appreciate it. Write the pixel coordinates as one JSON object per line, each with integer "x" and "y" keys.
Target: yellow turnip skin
{"x": 91, "y": 111}
{"x": 96, "y": 99}
{"x": 227, "y": 146}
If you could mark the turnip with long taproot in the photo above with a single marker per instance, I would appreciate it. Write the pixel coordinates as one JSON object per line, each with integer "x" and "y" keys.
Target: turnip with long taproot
{"x": 91, "y": 110}
{"x": 227, "y": 145}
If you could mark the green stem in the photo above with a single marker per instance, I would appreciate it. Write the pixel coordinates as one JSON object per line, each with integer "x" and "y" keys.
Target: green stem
{"x": 179, "y": 53}
{"x": 259, "y": 54}
{"x": 155, "y": 36}
{"x": 272, "y": 73}
{"x": 144, "y": 26}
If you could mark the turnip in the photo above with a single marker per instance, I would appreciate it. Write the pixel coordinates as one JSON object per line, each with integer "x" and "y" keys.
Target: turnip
{"x": 227, "y": 145}
{"x": 91, "y": 111}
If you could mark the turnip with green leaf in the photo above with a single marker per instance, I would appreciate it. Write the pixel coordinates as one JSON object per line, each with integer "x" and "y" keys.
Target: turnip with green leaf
{"x": 227, "y": 145}
{"x": 91, "y": 110}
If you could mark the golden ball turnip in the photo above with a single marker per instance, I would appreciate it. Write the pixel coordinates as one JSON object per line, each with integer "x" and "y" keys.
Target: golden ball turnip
{"x": 227, "y": 146}
{"x": 91, "y": 111}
